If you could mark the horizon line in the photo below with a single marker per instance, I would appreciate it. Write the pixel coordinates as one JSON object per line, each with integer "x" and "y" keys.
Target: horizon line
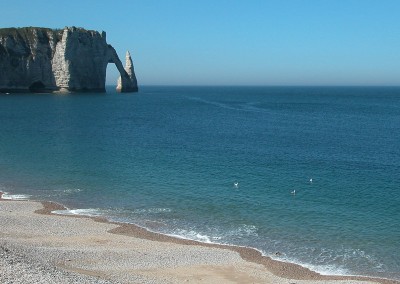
{"x": 265, "y": 86}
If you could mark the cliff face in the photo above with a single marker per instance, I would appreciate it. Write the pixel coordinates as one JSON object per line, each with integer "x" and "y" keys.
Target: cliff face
{"x": 73, "y": 59}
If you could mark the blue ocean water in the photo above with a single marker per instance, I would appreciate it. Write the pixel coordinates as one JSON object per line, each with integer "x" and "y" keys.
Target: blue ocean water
{"x": 167, "y": 159}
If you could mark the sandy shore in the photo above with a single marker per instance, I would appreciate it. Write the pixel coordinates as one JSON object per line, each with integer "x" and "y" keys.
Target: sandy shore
{"x": 38, "y": 247}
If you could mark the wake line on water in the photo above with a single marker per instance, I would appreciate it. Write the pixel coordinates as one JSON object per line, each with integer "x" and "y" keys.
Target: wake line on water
{"x": 248, "y": 107}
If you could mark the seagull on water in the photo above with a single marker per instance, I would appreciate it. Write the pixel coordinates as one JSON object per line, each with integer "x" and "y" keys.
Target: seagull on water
{"x": 236, "y": 184}
{"x": 310, "y": 180}
{"x": 293, "y": 192}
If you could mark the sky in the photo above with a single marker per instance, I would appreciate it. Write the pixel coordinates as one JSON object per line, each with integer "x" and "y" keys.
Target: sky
{"x": 222, "y": 42}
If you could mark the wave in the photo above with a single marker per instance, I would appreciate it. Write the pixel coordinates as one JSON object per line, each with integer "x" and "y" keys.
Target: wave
{"x": 333, "y": 261}
{"x": 8, "y": 196}
{"x": 59, "y": 192}
{"x": 71, "y": 190}
{"x": 39, "y": 194}
{"x": 214, "y": 235}
{"x": 152, "y": 210}
{"x": 117, "y": 214}
{"x": 323, "y": 261}
{"x": 91, "y": 212}
{"x": 326, "y": 261}
{"x": 192, "y": 235}
{"x": 243, "y": 230}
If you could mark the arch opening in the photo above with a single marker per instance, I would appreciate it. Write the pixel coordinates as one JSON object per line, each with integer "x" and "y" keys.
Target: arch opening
{"x": 112, "y": 75}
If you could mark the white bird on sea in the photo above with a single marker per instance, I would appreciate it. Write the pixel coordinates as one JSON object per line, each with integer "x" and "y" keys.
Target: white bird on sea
{"x": 293, "y": 192}
{"x": 236, "y": 184}
{"x": 310, "y": 180}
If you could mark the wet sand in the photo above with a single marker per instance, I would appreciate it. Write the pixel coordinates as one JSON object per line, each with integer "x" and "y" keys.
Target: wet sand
{"x": 93, "y": 250}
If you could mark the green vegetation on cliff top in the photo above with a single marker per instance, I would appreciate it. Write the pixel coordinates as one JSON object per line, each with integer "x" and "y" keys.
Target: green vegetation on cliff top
{"x": 28, "y": 33}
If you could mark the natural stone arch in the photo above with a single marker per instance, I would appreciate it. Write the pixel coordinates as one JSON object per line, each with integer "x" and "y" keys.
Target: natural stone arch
{"x": 66, "y": 60}
{"x": 127, "y": 81}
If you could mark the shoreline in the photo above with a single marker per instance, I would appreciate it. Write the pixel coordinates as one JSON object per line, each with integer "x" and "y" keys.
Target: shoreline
{"x": 280, "y": 269}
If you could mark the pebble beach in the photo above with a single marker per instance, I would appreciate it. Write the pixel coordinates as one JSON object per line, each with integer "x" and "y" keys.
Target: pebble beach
{"x": 39, "y": 247}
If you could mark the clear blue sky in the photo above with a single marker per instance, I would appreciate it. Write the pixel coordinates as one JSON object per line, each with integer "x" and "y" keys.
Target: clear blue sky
{"x": 222, "y": 42}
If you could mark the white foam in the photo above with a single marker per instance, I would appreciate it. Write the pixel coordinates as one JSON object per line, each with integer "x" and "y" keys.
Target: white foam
{"x": 328, "y": 269}
{"x": 329, "y": 262}
{"x": 324, "y": 269}
{"x": 242, "y": 230}
{"x": 152, "y": 210}
{"x": 7, "y": 196}
{"x": 203, "y": 238}
{"x": 71, "y": 190}
{"x": 84, "y": 212}
{"x": 55, "y": 193}
{"x": 191, "y": 235}
{"x": 248, "y": 230}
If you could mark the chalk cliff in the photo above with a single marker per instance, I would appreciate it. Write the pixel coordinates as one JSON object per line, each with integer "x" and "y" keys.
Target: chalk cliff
{"x": 65, "y": 60}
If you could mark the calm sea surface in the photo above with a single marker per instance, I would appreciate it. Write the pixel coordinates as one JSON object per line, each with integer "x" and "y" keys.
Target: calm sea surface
{"x": 167, "y": 159}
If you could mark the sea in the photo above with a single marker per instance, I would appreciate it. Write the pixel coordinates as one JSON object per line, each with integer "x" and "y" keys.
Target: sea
{"x": 308, "y": 175}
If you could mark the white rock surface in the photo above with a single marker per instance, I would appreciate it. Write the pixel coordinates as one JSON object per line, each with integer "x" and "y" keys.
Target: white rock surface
{"x": 131, "y": 73}
{"x": 72, "y": 59}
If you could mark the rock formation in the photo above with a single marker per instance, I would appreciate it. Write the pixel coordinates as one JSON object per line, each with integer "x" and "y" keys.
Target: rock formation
{"x": 68, "y": 60}
{"x": 121, "y": 86}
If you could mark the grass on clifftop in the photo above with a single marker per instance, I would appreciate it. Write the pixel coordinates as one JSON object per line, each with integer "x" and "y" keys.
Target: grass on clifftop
{"x": 28, "y": 33}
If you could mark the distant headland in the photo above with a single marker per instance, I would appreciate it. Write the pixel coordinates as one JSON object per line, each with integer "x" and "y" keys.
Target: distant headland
{"x": 72, "y": 59}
